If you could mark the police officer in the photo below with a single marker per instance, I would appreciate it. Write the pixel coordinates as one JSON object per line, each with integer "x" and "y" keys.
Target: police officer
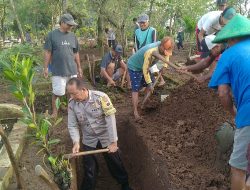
{"x": 94, "y": 113}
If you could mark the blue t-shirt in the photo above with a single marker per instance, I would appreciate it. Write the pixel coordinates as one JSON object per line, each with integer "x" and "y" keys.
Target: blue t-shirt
{"x": 233, "y": 69}
{"x": 136, "y": 61}
{"x": 107, "y": 59}
{"x": 144, "y": 37}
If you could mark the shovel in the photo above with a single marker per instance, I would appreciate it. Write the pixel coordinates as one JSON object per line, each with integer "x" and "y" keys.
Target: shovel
{"x": 73, "y": 155}
{"x": 149, "y": 92}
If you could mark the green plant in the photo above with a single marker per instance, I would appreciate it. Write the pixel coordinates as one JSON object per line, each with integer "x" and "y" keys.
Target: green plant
{"x": 62, "y": 171}
{"x": 20, "y": 75}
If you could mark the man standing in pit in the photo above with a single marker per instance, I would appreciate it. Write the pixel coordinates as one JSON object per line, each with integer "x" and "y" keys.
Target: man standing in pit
{"x": 93, "y": 112}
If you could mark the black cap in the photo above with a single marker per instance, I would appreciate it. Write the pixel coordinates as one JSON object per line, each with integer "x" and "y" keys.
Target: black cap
{"x": 68, "y": 19}
{"x": 221, "y": 2}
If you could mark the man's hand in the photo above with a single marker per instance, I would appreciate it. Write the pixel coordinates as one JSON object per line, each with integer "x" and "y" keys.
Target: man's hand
{"x": 201, "y": 79}
{"x": 111, "y": 82}
{"x": 46, "y": 72}
{"x": 183, "y": 68}
{"x": 79, "y": 72}
{"x": 76, "y": 148}
{"x": 113, "y": 147}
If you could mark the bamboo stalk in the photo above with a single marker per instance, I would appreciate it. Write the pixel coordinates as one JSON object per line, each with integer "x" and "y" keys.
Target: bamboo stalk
{"x": 12, "y": 159}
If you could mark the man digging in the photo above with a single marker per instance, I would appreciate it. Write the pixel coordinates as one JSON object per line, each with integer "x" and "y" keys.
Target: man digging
{"x": 93, "y": 113}
{"x": 139, "y": 63}
{"x": 113, "y": 67}
{"x": 232, "y": 79}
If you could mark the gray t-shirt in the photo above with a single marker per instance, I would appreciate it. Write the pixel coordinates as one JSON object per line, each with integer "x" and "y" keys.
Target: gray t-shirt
{"x": 63, "y": 46}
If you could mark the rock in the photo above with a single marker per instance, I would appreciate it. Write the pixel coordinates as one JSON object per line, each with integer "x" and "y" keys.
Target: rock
{"x": 159, "y": 152}
{"x": 9, "y": 111}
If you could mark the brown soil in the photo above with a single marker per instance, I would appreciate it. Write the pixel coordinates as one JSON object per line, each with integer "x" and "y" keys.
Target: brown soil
{"x": 174, "y": 148}
{"x": 182, "y": 130}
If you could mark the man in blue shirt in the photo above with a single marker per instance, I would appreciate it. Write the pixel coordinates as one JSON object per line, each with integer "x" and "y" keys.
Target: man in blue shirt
{"x": 113, "y": 66}
{"x": 233, "y": 74}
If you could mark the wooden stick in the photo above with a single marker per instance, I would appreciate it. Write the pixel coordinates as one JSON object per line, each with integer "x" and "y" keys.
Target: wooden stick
{"x": 12, "y": 158}
{"x": 93, "y": 70}
{"x": 149, "y": 93}
{"x": 90, "y": 70}
{"x": 45, "y": 177}
{"x": 123, "y": 78}
{"x": 69, "y": 156}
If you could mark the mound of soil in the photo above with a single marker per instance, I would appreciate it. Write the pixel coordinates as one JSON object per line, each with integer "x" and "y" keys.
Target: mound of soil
{"x": 182, "y": 131}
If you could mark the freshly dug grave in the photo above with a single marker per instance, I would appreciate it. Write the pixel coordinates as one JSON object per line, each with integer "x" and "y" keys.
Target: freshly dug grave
{"x": 181, "y": 130}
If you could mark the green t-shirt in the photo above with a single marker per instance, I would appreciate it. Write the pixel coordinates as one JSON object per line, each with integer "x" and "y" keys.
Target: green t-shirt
{"x": 63, "y": 46}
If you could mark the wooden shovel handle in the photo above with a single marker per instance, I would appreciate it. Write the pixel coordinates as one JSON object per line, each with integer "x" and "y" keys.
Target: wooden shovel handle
{"x": 149, "y": 93}
{"x": 69, "y": 156}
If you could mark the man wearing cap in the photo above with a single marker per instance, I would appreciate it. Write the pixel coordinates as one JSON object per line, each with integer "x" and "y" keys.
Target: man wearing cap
{"x": 62, "y": 52}
{"x": 211, "y": 23}
{"x": 113, "y": 66}
{"x": 215, "y": 50}
{"x": 145, "y": 34}
{"x": 139, "y": 63}
{"x": 92, "y": 112}
{"x": 232, "y": 80}
{"x": 221, "y": 4}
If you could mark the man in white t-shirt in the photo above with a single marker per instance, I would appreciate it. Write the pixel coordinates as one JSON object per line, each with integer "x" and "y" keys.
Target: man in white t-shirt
{"x": 211, "y": 23}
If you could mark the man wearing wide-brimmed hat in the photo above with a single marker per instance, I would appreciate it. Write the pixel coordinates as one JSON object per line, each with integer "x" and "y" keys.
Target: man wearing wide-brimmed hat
{"x": 232, "y": 74}
{"x": 62, "y": 52}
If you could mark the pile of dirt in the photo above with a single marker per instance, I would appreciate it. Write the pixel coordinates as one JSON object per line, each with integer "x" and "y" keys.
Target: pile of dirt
{"x": 182, "y": 131}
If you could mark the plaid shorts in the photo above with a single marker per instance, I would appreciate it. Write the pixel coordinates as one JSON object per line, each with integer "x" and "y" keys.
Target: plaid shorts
{"x": 138, "y": 80}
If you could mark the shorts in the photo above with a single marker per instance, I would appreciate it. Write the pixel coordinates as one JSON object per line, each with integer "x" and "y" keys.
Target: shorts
{"x": 111, "y": 43}
{"x": 138, "y": 80}
{"x": 116, "y": 75}
{"x": 238, "y": 157}
{"x": 59, "y": 84}
{"x": 204, "y": 49}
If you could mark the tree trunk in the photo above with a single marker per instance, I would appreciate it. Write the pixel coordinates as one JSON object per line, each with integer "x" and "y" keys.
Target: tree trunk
{"x": 12, "y": 159}
{"x": 2, "y": 21}
{"x": 64, "y": 6}
{"x": 151, "y": 8}
{"x": 100, "y": 33}
{"x": 18, "y": 21}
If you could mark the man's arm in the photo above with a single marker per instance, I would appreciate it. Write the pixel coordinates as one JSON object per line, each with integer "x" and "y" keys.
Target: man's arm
{"x": 163, "y": 59}
{"x": 47, "y": 59}
{"x": 226, "y": 98}
{"x": 202, "y": 64}
{"x": 78, "y": 63}
{"x": 109, "y": 112}
{"x": 73, "y": 129}
{"x": 106, "y": 76}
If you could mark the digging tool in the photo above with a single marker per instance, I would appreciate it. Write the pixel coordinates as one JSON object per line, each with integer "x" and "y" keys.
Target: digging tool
{"x": 69, "y": 156}
{"x": 123, "y": 78}
{"x": 46, "y": 178}
{"x": 149, "y": 93}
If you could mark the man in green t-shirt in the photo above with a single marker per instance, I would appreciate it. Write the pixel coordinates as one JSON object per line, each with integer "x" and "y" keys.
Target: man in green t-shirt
{"x": 62, "y": 52}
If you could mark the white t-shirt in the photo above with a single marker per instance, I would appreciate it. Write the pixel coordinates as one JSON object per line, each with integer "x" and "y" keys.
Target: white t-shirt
{"x": 210, "y": 22}
{"x": 111, "y": 35}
